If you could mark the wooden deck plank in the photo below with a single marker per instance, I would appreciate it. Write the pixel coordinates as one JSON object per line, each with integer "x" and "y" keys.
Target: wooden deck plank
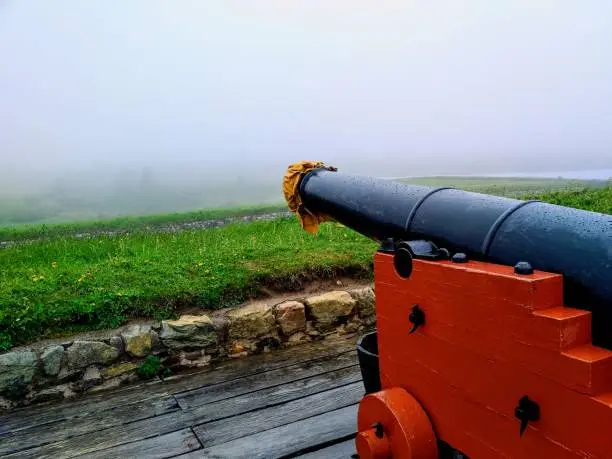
{"x": 52, "y": 432}
{"x": 257, "y": 364}
{"x": 48, "y": 413}
{"x": 342, "y": 450}
{"x": 291, "y": 438}
{"x": 164, "y": 446}
{"x": 277, "y": 395}
{"x": 32, "y": 417}
{"x": 195, "y": 455}
{"x": 229, "y": 429}
{"x": 284, "y": 375}
{"x": 218, "y": 415}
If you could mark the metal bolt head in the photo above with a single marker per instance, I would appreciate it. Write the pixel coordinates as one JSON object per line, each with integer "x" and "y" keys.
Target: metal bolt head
{"x": 523, "y": 267}
{"x": 417, "y": 317}
{"x": 378, "y": 429}
{"x": 402, "y": 261}
{"x": 387, "y": 246}
{"x": 459, "y": 258}
{"x": 526, "y": 411}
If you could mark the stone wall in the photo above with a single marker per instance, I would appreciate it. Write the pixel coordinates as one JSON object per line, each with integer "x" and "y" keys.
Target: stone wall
{"x": 137, "y": 352}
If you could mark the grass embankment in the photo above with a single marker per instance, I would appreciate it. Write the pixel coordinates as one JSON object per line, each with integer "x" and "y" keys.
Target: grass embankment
{"x": 37, "y": 231}
{"x": 64, "y": 284}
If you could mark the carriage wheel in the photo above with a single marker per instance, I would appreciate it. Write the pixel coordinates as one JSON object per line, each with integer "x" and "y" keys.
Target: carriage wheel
{"x": 392, "y": 424}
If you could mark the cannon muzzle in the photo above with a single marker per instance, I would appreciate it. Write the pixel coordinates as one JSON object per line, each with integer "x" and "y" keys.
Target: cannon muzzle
{"x": 552, "y": 238}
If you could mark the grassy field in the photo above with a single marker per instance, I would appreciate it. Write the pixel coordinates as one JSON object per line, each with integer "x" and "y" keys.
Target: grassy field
{"x": 596, "y": 200}
{"x": 119, "y": 224}
{"x": 61, "y": 285}
{"x": 513, "y": 187}
{"x": 67, "y": 284}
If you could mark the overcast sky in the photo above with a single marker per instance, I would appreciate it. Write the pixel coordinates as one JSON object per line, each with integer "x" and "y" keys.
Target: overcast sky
{"x": 429, "y": 86}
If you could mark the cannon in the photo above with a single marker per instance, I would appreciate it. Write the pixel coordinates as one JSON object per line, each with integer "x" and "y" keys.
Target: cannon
{"x": 493, "y": 329}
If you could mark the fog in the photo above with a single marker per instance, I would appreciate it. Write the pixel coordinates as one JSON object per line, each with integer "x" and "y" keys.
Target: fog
{"x": 215, "y": 95}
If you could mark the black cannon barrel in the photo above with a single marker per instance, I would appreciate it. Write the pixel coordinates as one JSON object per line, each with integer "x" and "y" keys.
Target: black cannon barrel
{"x": 572, "y": 242}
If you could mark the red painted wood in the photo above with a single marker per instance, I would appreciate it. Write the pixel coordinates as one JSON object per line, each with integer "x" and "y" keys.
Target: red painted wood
{"x": 490, "y": 337}
{"x": 369, "y": 446}
{"x": 407, "y": 431}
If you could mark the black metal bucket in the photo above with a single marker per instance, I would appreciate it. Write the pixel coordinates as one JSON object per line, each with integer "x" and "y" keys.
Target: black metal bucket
{"x": 367, "y": 352}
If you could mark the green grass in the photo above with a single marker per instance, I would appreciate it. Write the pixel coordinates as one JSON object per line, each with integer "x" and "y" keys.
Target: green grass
{"x": 513, "y": 187}
{"x": 595, "y": 200}
{"x": 24, "y": 232}
{"x": 63, "y": 285}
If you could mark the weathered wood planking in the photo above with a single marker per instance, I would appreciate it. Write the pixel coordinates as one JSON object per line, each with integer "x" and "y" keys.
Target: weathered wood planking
{"x": 93, "y": 422}
{"x": 343, "y": 450}
{"x": 256, "y": 364}
{"x": 262, "y": 380}
{"x": 197, "y": 454}
{"x": 31, "y": 417}
{"x": 322, "y": 399}
{"x": 226, "y": 430}
{"x": 277, "y": 395}
{"x": 291, "y": 438}
{"x": 126, "y": 414}
{"x": 168, "y": 445}
{"x": 28, "y": 418}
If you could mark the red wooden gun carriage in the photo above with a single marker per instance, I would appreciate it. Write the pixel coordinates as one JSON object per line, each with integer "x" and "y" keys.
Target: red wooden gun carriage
{"x": 494, "y": 320}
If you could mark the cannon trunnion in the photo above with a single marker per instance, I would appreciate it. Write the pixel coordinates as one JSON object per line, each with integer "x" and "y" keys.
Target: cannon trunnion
{"x": 493, "y": 321}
